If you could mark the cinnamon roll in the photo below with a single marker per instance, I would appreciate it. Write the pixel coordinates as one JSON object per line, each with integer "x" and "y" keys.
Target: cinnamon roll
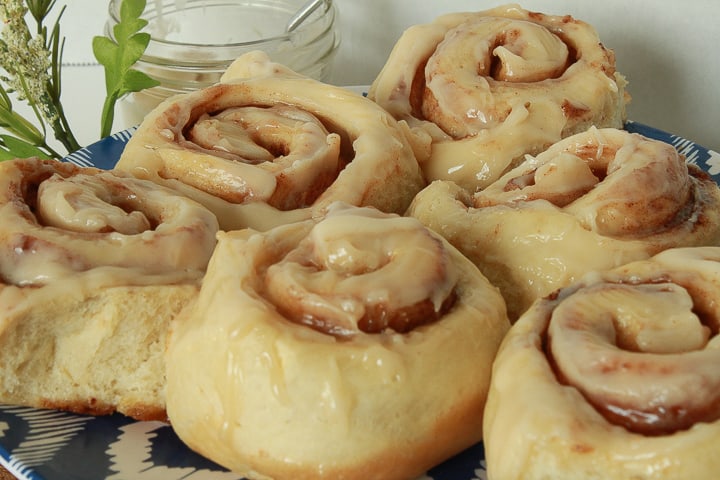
{"x": 328, "y": 343}
{"x": 593, "y": 201}
{"x": 492, "y": 86}
{"x": 614, "y": 377}
{"x": 267, "y": 146}
{"x": 94, "y": 266}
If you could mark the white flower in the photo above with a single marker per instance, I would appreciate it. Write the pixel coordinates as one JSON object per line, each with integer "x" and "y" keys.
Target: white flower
{"x": 25, "y": 59}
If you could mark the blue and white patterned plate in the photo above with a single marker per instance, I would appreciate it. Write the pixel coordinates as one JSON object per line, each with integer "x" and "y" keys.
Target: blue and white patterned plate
{"x": 105, "y": 153}
{"x": 51, "y": 445}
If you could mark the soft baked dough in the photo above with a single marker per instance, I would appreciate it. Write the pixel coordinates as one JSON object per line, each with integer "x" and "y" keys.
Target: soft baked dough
{"x": 494, "y": 85}
{"x": 593, "y": 201}
{"x": 640, "y": 341}
{"x": 94, "y": 266}
{"x": 267, "y": 146}
{"x": 87, "y": 348}
{"x": 313, "y": 395}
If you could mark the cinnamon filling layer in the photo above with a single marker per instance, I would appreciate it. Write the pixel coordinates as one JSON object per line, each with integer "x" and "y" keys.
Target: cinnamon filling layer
{"x": 281, "y": 155}
{"x": 615, "y": 183}
{"x": 363, "y": 273}
{"x": 57, "y": 219}
{"x": 459, "y": 91}
{"x": 641, "y": 354}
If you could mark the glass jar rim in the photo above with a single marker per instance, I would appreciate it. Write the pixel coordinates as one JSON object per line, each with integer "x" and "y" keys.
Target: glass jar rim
{"x": 328, "y": 8}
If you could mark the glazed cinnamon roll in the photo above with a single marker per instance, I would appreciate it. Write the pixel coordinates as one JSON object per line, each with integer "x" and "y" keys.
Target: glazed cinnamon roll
{"x": 492, "y": 86}
{"x": 613, "y": 377}
{"x": 593, "y": 201}
{"x": 94, "y": 265}
{"x": 267, "y": 146}
{"x": 326, "y": 344}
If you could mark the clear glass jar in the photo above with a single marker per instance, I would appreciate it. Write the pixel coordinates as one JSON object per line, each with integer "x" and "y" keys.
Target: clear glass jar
{"x": 193, "y": 42}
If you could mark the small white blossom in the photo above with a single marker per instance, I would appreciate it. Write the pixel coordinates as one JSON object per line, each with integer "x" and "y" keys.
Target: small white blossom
{"x": 12, "y": 11}
{"x": 28, "y": 70}
{"x": 25, "y": 59}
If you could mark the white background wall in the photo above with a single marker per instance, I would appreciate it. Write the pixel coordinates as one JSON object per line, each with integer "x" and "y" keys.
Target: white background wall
{"x": 666, "y": 48}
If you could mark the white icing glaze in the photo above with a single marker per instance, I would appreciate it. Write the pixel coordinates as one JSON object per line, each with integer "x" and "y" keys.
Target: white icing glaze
{"x": 545, "y": 76}
{"x": 82, "y": 204}
{"x": 606, "y": 338}
{"x": 614, "y": 183}
{"x": 538, "y": 426}
{"x": 462, "y": 71}
{"x": 281, "y": 155}
{"x": 84, "y": 219}
{"x": 593, "y": 201}
{"x": 334, "y": 145}
{"x": 265, "y": 381}
{"x": 358, "y": 259}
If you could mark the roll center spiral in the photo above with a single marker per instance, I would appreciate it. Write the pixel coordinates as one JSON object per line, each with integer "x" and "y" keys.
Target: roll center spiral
{"x": 81, "y": 204}
{"x": 460, "y": 75}
{"x": 389, "y": 273}
{"x": 281, "y": 155}
{"x": 615, "y": 183}
{"x": 639, "y": 353}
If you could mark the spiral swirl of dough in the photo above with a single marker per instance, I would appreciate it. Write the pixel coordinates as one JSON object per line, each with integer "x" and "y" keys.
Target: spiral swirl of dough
{"x": 492, "y": 86}
{"x": 295, "y": 157}
{"x": 319, "y": 339}
{"x": 343, "y": 283}
{"x": 267, "y": 146}
{"x": 58, "y": 219}
{"x": 94, "y": 267}
{"x": 592, "y": 201}
{"x": 619, "y": 376}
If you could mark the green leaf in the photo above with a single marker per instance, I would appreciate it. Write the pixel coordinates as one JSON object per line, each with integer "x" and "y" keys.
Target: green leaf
{"x": 135, "y": 81}
{"x": 20, "y": 126}
{"x": 132, "y": 8}
{"x": 128, "y": 27}
{"x": 40, "y": 9}
{"x": 134, "y": 49}
{"x": 105, "y": 51}
{"x": 119, "y": 56}
{"x": 15, "y": 148}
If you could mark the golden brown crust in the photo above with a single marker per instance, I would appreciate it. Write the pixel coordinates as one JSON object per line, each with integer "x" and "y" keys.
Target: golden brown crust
{"x": 640, "y": 339}
{"x": 365, "y": 156}
{"x": 94, "y": 267}
{"x": 88, "y": 349}
{"x": 362, "y": 398}
{"x": 592, "y": 201}
{"x": 5, "y": 475}
{"x": 143, "y": 410}
{"x": 494, "y": 85}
